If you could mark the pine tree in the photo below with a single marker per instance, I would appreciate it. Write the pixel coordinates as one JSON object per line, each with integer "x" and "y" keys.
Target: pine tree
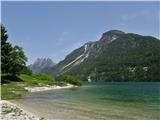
{"x": 12, "y": 58}
{"x": 6, "y": 51}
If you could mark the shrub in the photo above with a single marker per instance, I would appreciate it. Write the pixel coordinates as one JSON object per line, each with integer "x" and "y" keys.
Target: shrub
{"x": 26, "y": 71}
{"x": 69, "y": 79}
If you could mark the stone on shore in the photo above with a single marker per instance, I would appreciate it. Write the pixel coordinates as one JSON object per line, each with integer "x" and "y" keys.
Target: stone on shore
{"x": 10, "y": 111}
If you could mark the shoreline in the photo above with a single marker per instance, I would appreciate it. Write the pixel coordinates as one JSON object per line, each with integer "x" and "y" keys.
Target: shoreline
{"x": 47, "y": 87}
{"x": 12, "y": 111}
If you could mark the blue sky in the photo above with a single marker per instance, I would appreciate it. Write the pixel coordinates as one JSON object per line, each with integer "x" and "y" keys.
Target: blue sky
{"x": 54, "y": 29}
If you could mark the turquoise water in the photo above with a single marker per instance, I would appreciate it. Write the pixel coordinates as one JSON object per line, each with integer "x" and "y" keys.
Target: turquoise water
{"x": 97, "y": 101}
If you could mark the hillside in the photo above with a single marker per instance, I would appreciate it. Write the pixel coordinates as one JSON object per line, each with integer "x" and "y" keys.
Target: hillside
{"x": 117, "y": 56}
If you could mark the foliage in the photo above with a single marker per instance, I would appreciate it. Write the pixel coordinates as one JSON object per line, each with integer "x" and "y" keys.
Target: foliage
{"x": 26, "y": 71}
{"x": 37, "y": 79}
{"x": 69, "y": 79}
{"x": 12, "y": 58}
{"x": 18, "y": 60}
{"x": 7, "y": 78}
{"x": 6, "y": 50}
{"x": 61, "y": 83}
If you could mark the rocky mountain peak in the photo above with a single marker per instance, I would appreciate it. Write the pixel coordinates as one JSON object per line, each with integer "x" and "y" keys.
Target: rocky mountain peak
{"x": 114, "y": 32}
{"x": 44, "y": 62}
{"x": 40, "y": 64}
{"x": 112, "y": 61}
{"x": 111, "y": 35}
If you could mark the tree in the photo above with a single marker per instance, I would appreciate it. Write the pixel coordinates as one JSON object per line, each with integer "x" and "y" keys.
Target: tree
{"x": 26, "y": 71}
{"x": 18, "y": 60}
{"x": 12, "y": 58}
{"x": 6, "y": 50}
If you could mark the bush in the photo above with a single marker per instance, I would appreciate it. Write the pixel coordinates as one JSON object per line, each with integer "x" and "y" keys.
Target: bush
{"x": 69, "y": 79}
{"x": 61, "y": 83}
{"x": 7, "y": 78}
{"x": 26, "y": 71}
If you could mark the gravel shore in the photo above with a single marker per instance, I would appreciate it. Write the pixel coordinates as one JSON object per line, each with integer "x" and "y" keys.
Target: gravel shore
{"x": 10, "y": 111}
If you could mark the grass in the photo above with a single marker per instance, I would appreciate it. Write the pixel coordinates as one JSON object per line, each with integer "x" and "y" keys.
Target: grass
{"x": 12, "y": 91}
{"x": 37, "y": 79}
{"x": 13, "y": 87}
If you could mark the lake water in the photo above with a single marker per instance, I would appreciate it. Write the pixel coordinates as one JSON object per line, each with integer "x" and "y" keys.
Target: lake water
{"x": 97, "y": 101}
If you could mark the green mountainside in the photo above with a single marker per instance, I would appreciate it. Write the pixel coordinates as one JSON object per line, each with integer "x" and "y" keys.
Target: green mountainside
{"x": 117, "y": 56}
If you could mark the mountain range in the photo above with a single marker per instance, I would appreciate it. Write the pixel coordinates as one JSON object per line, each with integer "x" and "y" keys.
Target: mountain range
{"x": 41, "y": 63}
{"x": 116, "y": 56}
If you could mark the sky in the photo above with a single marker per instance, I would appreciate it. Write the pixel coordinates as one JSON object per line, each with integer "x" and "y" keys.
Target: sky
{"x": 54, "y": 29}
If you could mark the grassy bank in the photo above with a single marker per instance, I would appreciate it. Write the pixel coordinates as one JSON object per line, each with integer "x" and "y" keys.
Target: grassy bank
{"x": 37, "y": 79}
{"x": 12, "y": 90}
{"x": 13, "y": 87}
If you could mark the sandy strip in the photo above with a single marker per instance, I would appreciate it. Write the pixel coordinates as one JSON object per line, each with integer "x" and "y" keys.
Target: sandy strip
{"x": 11, "y": 111}
{"x": 45, "y": 88}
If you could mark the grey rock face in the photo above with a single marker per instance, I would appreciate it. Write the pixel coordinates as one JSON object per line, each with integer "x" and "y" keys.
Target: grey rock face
{"x": 41, "y": 63}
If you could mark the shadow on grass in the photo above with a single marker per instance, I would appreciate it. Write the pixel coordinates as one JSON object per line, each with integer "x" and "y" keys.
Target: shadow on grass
{"x": 10, "y": 78}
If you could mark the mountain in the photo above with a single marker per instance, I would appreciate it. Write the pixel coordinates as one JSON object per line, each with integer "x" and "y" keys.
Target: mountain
{"x": 117, "y": 56}
{"x": 40, "y": 64}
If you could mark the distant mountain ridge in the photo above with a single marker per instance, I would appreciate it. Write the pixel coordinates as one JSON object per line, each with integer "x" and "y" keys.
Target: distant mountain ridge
{"x": 117, "y": 56}
{"x": 40, "y": 64}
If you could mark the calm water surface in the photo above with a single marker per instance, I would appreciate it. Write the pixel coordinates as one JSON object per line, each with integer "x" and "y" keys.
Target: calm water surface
{"x": 97, "y": 101}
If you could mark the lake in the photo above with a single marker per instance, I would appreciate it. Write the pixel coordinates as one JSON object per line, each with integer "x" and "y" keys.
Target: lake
{"x": 97, "y": 101}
